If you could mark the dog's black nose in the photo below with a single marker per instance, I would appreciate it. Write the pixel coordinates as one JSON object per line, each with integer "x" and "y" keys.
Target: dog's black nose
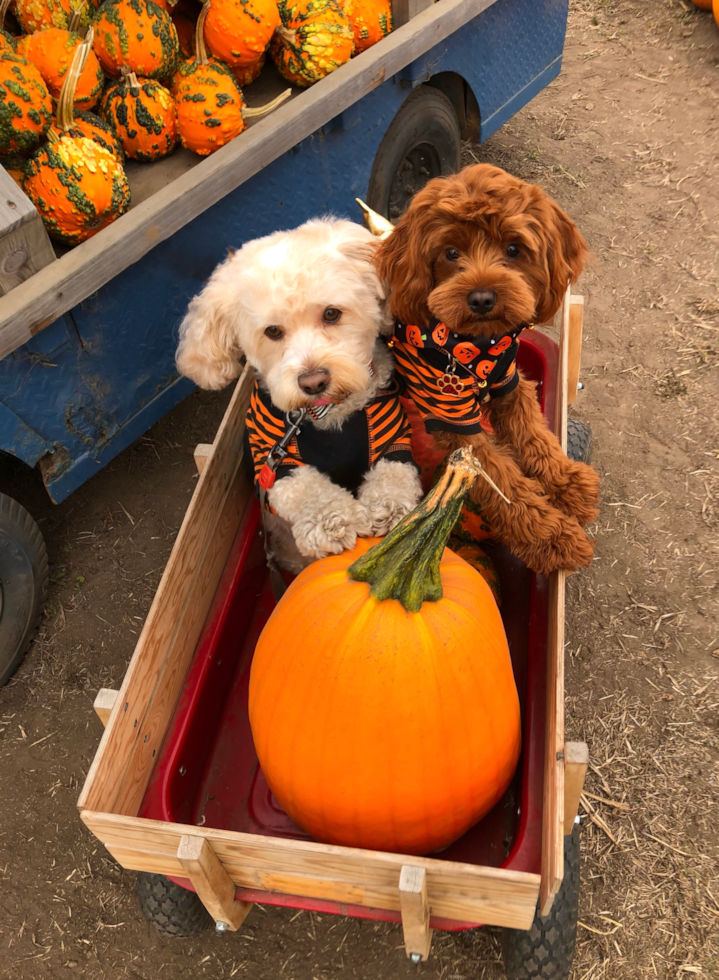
{"x": 482, "y": 300}
{"x": 314, "y": 382}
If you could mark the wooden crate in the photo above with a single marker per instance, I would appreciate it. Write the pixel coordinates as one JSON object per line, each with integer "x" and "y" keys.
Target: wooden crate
{"x": 216, "y": 861}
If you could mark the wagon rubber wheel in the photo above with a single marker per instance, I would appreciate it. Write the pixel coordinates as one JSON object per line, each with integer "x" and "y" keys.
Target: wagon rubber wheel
{"x": 169, "y": 908}
{"x": 423, "y": 141}
{"x": 579, "y": 441}
{"x": 546, "y": 951}
{"x": 24, "y": 572}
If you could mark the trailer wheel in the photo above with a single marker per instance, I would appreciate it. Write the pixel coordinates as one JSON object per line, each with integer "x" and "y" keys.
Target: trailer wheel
{"x": 24, "y": 572}
{"x": 169, "y": 908}
{"x": 579, "y": 441}
{"x": 422, "y": 142}
{"x": 546, "y": 951}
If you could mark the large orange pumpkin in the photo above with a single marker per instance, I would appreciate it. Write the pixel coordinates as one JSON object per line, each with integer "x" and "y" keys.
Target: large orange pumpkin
{"x": 371, "y": 20}
{"x": 51, "y": 51}
{"x": 238, "y": 31}
{"x": 715, "y": 9}
{"x": 314, "y": 39}
{"x": 382, "y": 701}
{"x": 136, "y": 34}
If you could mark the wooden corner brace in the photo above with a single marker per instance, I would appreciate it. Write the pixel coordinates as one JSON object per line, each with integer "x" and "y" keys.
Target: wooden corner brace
{"x": 576, "y": 761}
{"x": 415, "y": 911}
{"x": 202, "y": 454}
{"x": 211, "y": 882}
{"x": 104, "y": 703}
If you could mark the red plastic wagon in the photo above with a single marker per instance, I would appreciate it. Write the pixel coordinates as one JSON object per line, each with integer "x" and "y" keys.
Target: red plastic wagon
{"x": 176, "y": 792}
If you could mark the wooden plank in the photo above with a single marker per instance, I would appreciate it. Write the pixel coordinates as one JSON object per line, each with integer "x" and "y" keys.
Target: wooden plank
{"x": 574, "y": 345}
{"x": 104, "y": 703}
{"x": 67, "y": 281}
{"x": 211, "y": 882}
{"x": 202, "y": 454}
{"x": 371, "y": 878}
{"x": 553, "y": 800}
{"x": 404, "y": 10}
{"x": 122, "y": 766}
{"x": 24, "y": 244}
{"x": 576, "y": 761}
{"x": 414, "y": 906}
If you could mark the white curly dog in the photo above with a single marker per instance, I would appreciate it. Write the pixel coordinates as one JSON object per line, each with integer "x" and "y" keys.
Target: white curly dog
{"x": 307, "y": 311}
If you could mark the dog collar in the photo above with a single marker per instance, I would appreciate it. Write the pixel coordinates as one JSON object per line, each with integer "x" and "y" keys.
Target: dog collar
{"x": 488, "y": 360}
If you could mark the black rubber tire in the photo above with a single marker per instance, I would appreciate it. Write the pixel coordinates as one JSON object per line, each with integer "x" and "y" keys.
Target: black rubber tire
{"x": 24, "y": 573}
{"x": 546, "y": 951}
{"x": 579, "y": 441}
{"x": 169, "y": 908}
{"x": 423, "y": 141}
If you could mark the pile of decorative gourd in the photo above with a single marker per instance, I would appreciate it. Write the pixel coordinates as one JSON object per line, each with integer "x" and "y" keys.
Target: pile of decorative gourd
{"x": 134, "y": 77}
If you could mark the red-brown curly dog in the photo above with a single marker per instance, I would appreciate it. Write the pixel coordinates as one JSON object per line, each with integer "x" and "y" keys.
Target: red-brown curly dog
{"x": 476, "y": 258}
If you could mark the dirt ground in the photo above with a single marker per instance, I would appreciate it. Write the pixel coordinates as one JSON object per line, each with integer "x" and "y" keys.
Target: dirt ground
{"x": 626, "y": 140}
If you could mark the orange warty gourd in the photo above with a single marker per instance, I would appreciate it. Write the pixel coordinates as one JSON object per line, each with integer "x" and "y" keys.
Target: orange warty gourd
{"x": 77, "y": 186}
{"x": 382, "y": 700}
{"x": 51, "y": 51}
{"x": 210, "y": 108}
{"x": 34, "y": 15}
{"x": 25, "y": 105}
{"x": 238, "y": 31}
{"x": 246, "y": 76}
{"x": 16, "y": 166}
{"x": 371, "y": 20}
{"x": 142, "y": 113}
{"x": 136, "y": 34}
{"x": 315, "y": 38}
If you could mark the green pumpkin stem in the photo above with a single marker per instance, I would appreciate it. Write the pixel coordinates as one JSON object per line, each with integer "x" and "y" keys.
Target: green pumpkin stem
{"x": 405, "y": 564}
{"x": 200, "y": 49}
{"x": 66, "y": 100}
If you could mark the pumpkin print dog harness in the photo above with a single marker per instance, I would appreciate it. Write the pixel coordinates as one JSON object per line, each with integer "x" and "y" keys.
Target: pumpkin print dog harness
{"x": 450, "y": 375}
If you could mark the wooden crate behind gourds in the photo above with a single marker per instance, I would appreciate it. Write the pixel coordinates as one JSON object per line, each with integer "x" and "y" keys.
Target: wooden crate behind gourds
{"x": 149, "y": 74}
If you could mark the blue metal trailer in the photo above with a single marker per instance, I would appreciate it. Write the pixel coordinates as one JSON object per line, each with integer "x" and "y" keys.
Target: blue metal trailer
{"x": 87, "y": 343}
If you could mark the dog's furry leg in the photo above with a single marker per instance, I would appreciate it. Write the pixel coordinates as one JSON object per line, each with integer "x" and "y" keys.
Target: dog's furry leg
{"x": 517, "y": 420}
{"x": 542, "y": 536}
{"x": 389, "y": 491}
{"x": 325, "y": 519}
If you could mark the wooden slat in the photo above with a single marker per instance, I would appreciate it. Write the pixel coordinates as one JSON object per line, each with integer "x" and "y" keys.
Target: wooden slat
{"x": 202, "y": 454}
{"x": 352, "y": 875}
{"x": 576, "y": 762}
{"x": 574, "y": 346}
{"x": 213, "y": 885}
{"x": 553, "y": 802}
{"x": 414, "y": 906}
{"x": 104, "y": 703}
{"x": 24, "y": 244}
{"x": 122, "y": 766}
{"x": 67, "y": 281}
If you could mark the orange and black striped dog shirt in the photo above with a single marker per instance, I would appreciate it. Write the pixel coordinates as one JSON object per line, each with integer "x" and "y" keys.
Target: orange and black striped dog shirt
{"x": 449, "y": 375}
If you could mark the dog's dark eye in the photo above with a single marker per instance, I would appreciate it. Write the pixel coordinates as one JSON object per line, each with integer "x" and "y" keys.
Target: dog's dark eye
{"x": 451, "y": 255}
{"x": 331, "y": 314}
{"x": 274, "y": 333}
{"x": 513, "y": 252}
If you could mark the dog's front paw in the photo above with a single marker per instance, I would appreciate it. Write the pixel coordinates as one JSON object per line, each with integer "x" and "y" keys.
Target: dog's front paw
{"x": 567, "y": 549}
{"x": 580, "y": 496}
{"x": 389, "y": 492}
{"x": 332, "y": 530}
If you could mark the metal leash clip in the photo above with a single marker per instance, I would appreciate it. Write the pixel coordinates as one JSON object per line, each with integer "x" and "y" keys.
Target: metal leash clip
{"x": 279, "y": 451}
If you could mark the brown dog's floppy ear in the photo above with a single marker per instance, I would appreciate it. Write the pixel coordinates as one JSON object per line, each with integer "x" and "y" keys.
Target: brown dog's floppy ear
{"x": 407, "y": 270}
{"x": 567, "y": 254}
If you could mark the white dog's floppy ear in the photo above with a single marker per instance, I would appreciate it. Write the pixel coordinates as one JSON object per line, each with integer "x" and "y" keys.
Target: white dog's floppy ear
{"x": 208, "y": 352}
{"x": 360, "y": 245}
